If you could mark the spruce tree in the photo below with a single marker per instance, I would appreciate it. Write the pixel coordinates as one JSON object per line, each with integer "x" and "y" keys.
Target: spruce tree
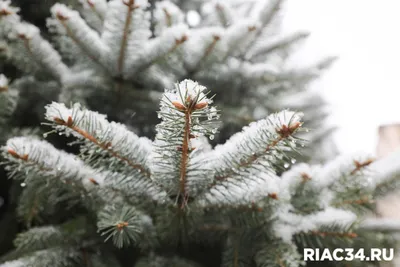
{"x": 173, "y": 200}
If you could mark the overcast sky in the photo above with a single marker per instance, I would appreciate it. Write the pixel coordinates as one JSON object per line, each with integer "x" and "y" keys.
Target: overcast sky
{"x": 363, "y": 86}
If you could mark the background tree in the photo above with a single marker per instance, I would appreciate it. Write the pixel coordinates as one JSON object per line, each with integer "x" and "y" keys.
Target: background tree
{"x": 117, "y": 57}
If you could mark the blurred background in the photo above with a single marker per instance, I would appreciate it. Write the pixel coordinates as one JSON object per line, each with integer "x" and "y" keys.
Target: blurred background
{"x": 363, "y": 85}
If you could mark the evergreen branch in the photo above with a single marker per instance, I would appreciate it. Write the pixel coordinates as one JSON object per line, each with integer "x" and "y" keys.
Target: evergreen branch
{"x": 54, "y": 257}
{"x": 305, "y": 190}
{"x": 126, "y": 36}
{"x": 121, "y": 58}
{"x": 160, "y": 48}
{"x": 224, "y": 13}
{"x": 40, "y": 51}
{"x": 328, "y": 235}
{"x": 269, "y": 47}
{"x": 303, "y": 76}
{"x": 257, "y": 194}
{"x": 262, "y": 72}
{"x": 333, "y": 234}
{"x": 166, "y": 15}
{"x": 25, "y": 158}
{"x": 80, "y": 33}
{"x": 26, "y": 42}
{"x": 92, "y": 139}
{"x": 8, "y": 100}
{"x": 359, "y": 201}
{"x": 43, "y": 159}
{"x": 7, "y": 10}
{"x": 256, "y": 144}
{"x": 208, "y": 50}
{"x": 343, "y": 178}
{"x": 124, "y": 226}
{"x": 111, "y": 138}
{"x": 44, "y": 197}
{"x": 387, "y": 186}
{"x": 45, "y": 237}
{"x": 239, "y": 35}
{"x": 252, "y": 159}
{"x": 9, "y": 18}
{"x": 266, "y": 13}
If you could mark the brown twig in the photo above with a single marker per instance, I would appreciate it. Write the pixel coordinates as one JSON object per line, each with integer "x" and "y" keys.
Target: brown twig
{"x": 121, "y": 59}
{"x": 188, "y": 107}
{"x": 167, "y": 17}
{"x": 337, "y": 234}
{"x": 305, "y": 177}
{"x": 185, "y": 156}
{"x": 121, "y": 225}
{"x": 3, "y": 89}
{"x": 284, "y": 132}
{"x": 360, "y": 165}
{"x": 360, "y": 201}
{"x": 104, "y": 146}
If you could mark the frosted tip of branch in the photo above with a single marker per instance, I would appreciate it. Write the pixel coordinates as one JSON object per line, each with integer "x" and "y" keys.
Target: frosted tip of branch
{"x": 286, "y": 122}
{"x": 62, "y": 12}
{"x": 188, "y": 95}
{"x": 3, "y": 83}
{"x": 26, "y": 31}
{"x": 58, "y": 112}
{"x": 6, "y": 8}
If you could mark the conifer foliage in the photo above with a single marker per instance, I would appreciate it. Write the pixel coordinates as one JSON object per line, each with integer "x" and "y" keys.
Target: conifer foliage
{"x": 8, "y": 102}
{"x": 177, "y": 191}
{"x": 129, "y": 200}
{"x": 111, "y": 54}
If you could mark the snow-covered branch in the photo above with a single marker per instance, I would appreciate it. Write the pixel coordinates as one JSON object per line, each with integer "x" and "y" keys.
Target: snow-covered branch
{"x": 28, "y": 153}
{"x": 186, "y": 113}
{"x": 106, "y": 143}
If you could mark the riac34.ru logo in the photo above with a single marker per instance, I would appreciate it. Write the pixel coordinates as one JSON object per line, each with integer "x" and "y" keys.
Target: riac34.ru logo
{"x": 348, "y": 254}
